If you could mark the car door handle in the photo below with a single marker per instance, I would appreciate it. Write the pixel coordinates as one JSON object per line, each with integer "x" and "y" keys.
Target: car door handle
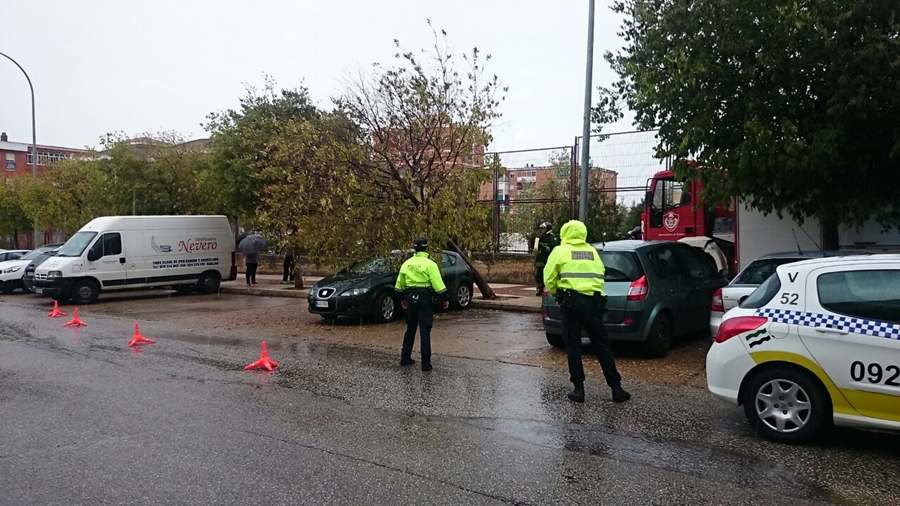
{"x": 830, "y": 330}
{"x": 122, "y": 260}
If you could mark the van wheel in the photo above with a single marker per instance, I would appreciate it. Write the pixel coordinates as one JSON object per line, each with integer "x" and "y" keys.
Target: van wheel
{"x": 660, "y": 338}
{"x": 786, "y": 405}
{"x": 209, "y": 282}
{"x": 85, "y": 291}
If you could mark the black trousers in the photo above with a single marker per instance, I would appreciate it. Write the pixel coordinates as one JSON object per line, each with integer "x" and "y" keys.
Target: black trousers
{"x": 539, "y": 276}
{"x": 251, "y": 273}
{"x": 288, "y": 268}
{"x": 581, "y": 311}
{"x": 419, "y": 313}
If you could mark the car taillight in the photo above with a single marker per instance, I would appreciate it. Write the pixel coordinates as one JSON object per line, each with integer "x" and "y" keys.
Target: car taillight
{"x": 639, "y": 289}
{"x": 739, "y": 325}
{"x": 717, "y": 304}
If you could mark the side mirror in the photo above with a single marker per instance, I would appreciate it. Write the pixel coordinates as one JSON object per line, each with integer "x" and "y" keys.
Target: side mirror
{"x": 93, "y": 255}
{"x": 648, "y": 198}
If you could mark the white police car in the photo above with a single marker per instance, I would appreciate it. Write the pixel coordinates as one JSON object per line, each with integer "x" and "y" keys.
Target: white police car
{"x": 817, "y": 343}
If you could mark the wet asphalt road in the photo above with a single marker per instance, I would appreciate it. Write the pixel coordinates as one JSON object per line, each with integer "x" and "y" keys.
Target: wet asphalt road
{"x": 87, "y": 420}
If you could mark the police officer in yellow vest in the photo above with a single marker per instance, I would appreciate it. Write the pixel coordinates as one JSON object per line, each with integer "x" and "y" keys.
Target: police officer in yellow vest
{"x": 418, "y": 283}
{"x": 574, "y": 275}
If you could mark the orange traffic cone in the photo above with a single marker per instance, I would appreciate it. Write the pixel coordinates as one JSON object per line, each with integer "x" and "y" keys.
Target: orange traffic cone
{"x": 56, "y": 312}
{"x": 76, "y": 322}
{"x": 264, "y": 360}
{"x": 137, "y": 338}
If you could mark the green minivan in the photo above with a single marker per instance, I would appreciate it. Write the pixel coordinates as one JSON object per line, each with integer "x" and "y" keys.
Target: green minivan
{"x": 656, "y": 290}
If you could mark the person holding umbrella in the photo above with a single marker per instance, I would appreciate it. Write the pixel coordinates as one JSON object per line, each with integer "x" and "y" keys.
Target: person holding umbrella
{"x": 250, "y": 246}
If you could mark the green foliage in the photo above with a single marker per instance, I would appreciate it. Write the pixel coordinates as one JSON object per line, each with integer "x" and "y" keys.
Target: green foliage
{"x": 157, "y": 175}
{"x": 797, "y": 101}
{"x": 13, "y": 216}
{"x": 421, "y": 125}
{"x": 240, "y": 145}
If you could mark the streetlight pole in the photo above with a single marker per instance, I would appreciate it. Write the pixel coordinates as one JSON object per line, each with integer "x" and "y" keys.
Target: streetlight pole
{"x": 34, "y": 151}
{"x": 586, "y": 131}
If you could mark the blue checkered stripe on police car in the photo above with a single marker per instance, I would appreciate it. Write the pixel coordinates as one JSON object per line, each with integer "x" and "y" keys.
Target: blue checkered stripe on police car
{"x": 850, "y": 324}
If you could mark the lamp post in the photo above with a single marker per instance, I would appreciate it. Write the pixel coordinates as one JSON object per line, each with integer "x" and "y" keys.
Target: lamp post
{"x": 586, "y": 132}
{"x": 34, "y": 151}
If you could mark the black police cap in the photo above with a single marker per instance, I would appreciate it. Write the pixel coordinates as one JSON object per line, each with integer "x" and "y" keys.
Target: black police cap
{"x": 420, "y": 242}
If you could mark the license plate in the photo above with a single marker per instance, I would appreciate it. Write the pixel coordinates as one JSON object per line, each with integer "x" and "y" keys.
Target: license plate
{"x": 321, "y": 303}
{"x": 38, "y": 290}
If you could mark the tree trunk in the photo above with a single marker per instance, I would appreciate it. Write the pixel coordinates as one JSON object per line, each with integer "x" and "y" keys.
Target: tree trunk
{"x": 482, "y": 284}
{"x": 830, "y": 239}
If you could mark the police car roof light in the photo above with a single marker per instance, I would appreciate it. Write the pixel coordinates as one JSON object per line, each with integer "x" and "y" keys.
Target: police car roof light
{"x": 739, "y": 325}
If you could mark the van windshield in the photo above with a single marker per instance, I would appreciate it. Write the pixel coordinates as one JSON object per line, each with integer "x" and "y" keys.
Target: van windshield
{"x": 75, "y": 246}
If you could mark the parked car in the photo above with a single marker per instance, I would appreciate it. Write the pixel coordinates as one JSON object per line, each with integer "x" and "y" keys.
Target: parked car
{"x": 366, "y": 288}
{"x": 12, "y": 271}
{"x": 656, "y": 290}
{"x": 46, "y": 252}
{"x": 752, "y": 276}
{"x": 11, "y": 254}
{"x": 817, "y": 343}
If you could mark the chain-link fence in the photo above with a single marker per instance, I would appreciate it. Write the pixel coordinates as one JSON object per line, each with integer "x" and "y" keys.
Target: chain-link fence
{"x": 532, "y": 186}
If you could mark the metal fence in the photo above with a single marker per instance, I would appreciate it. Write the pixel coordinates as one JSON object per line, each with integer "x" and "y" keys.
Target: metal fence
{"x": 541, "y": 184}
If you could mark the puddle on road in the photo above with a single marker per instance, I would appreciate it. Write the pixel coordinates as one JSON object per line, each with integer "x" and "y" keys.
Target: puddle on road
{"x": 705, "y": 462}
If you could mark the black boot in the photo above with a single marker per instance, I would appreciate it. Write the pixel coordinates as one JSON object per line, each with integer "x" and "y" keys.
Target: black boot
{"x": 577, "y": 393}
{"x": 426, "y": 366}
{"x": 407, "y": 361}
{"x": 619, "y": 394}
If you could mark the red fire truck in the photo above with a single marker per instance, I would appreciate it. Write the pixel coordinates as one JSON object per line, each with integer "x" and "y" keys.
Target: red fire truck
{"x": 673, "y": 211}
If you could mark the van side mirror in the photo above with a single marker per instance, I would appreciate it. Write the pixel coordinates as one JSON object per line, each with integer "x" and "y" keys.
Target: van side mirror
{"x": 93, "y": 255}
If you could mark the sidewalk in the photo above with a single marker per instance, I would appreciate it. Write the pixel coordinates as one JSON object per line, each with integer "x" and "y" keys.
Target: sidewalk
{"x": 519, "y": 298}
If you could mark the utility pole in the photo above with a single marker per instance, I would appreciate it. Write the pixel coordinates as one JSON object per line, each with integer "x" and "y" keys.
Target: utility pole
{"x": 586, "y": 130}
{"x": 34, "y": 151}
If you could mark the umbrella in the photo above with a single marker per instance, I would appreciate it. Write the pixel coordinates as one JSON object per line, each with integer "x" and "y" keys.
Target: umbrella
{"x": 240, "y": 238}
{"x": 252, "y": 244}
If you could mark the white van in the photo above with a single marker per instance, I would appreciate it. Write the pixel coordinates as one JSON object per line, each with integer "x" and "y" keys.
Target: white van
{"x": 128, "y": 252}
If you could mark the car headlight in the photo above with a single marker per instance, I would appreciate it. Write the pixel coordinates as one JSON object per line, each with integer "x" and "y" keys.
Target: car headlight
{"x": 54, "y": 274}
{"x": 11, "y": 269}
{"x": 354, "y": 292}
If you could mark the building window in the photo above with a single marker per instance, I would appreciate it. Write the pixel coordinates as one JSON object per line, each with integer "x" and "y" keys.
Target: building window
{"x": 48, "y": 157}
{"x": 10, "y": 161}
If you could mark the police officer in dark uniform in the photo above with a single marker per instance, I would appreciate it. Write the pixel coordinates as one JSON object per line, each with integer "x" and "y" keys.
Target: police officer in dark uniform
{"x": 574, "y": 275}
{"x": 418, "y": 283}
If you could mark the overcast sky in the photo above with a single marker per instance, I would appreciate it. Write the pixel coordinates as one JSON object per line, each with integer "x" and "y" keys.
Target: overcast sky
{"x": 108, "y": 65}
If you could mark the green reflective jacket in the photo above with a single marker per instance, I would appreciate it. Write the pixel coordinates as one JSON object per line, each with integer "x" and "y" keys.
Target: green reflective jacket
{"x": 419, "y": 271}
{"x": 574, "y": 264}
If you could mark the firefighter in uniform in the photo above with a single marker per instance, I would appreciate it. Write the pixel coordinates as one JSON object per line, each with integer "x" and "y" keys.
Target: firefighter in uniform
{"x": 543, "y": 245}
{"x": 418, "y": 283}
{"x": 574, "y": 275}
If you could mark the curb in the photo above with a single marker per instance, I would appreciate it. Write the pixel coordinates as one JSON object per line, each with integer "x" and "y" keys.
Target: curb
{"x": 500, "y": 304}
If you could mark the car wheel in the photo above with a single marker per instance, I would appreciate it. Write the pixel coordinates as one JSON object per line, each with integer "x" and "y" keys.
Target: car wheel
{"x": 463, "y": 296}
{"x": 209, "y": 282}
{"x": 85, "y": 291}
{"x": 385, "y": 308}
{"x": 6, "y": 287}
{"x": 27, "y": 288}
{"x": 660, "y": 337}
{"x": 786, "y": 405}
{"x": 555, "y": 340}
